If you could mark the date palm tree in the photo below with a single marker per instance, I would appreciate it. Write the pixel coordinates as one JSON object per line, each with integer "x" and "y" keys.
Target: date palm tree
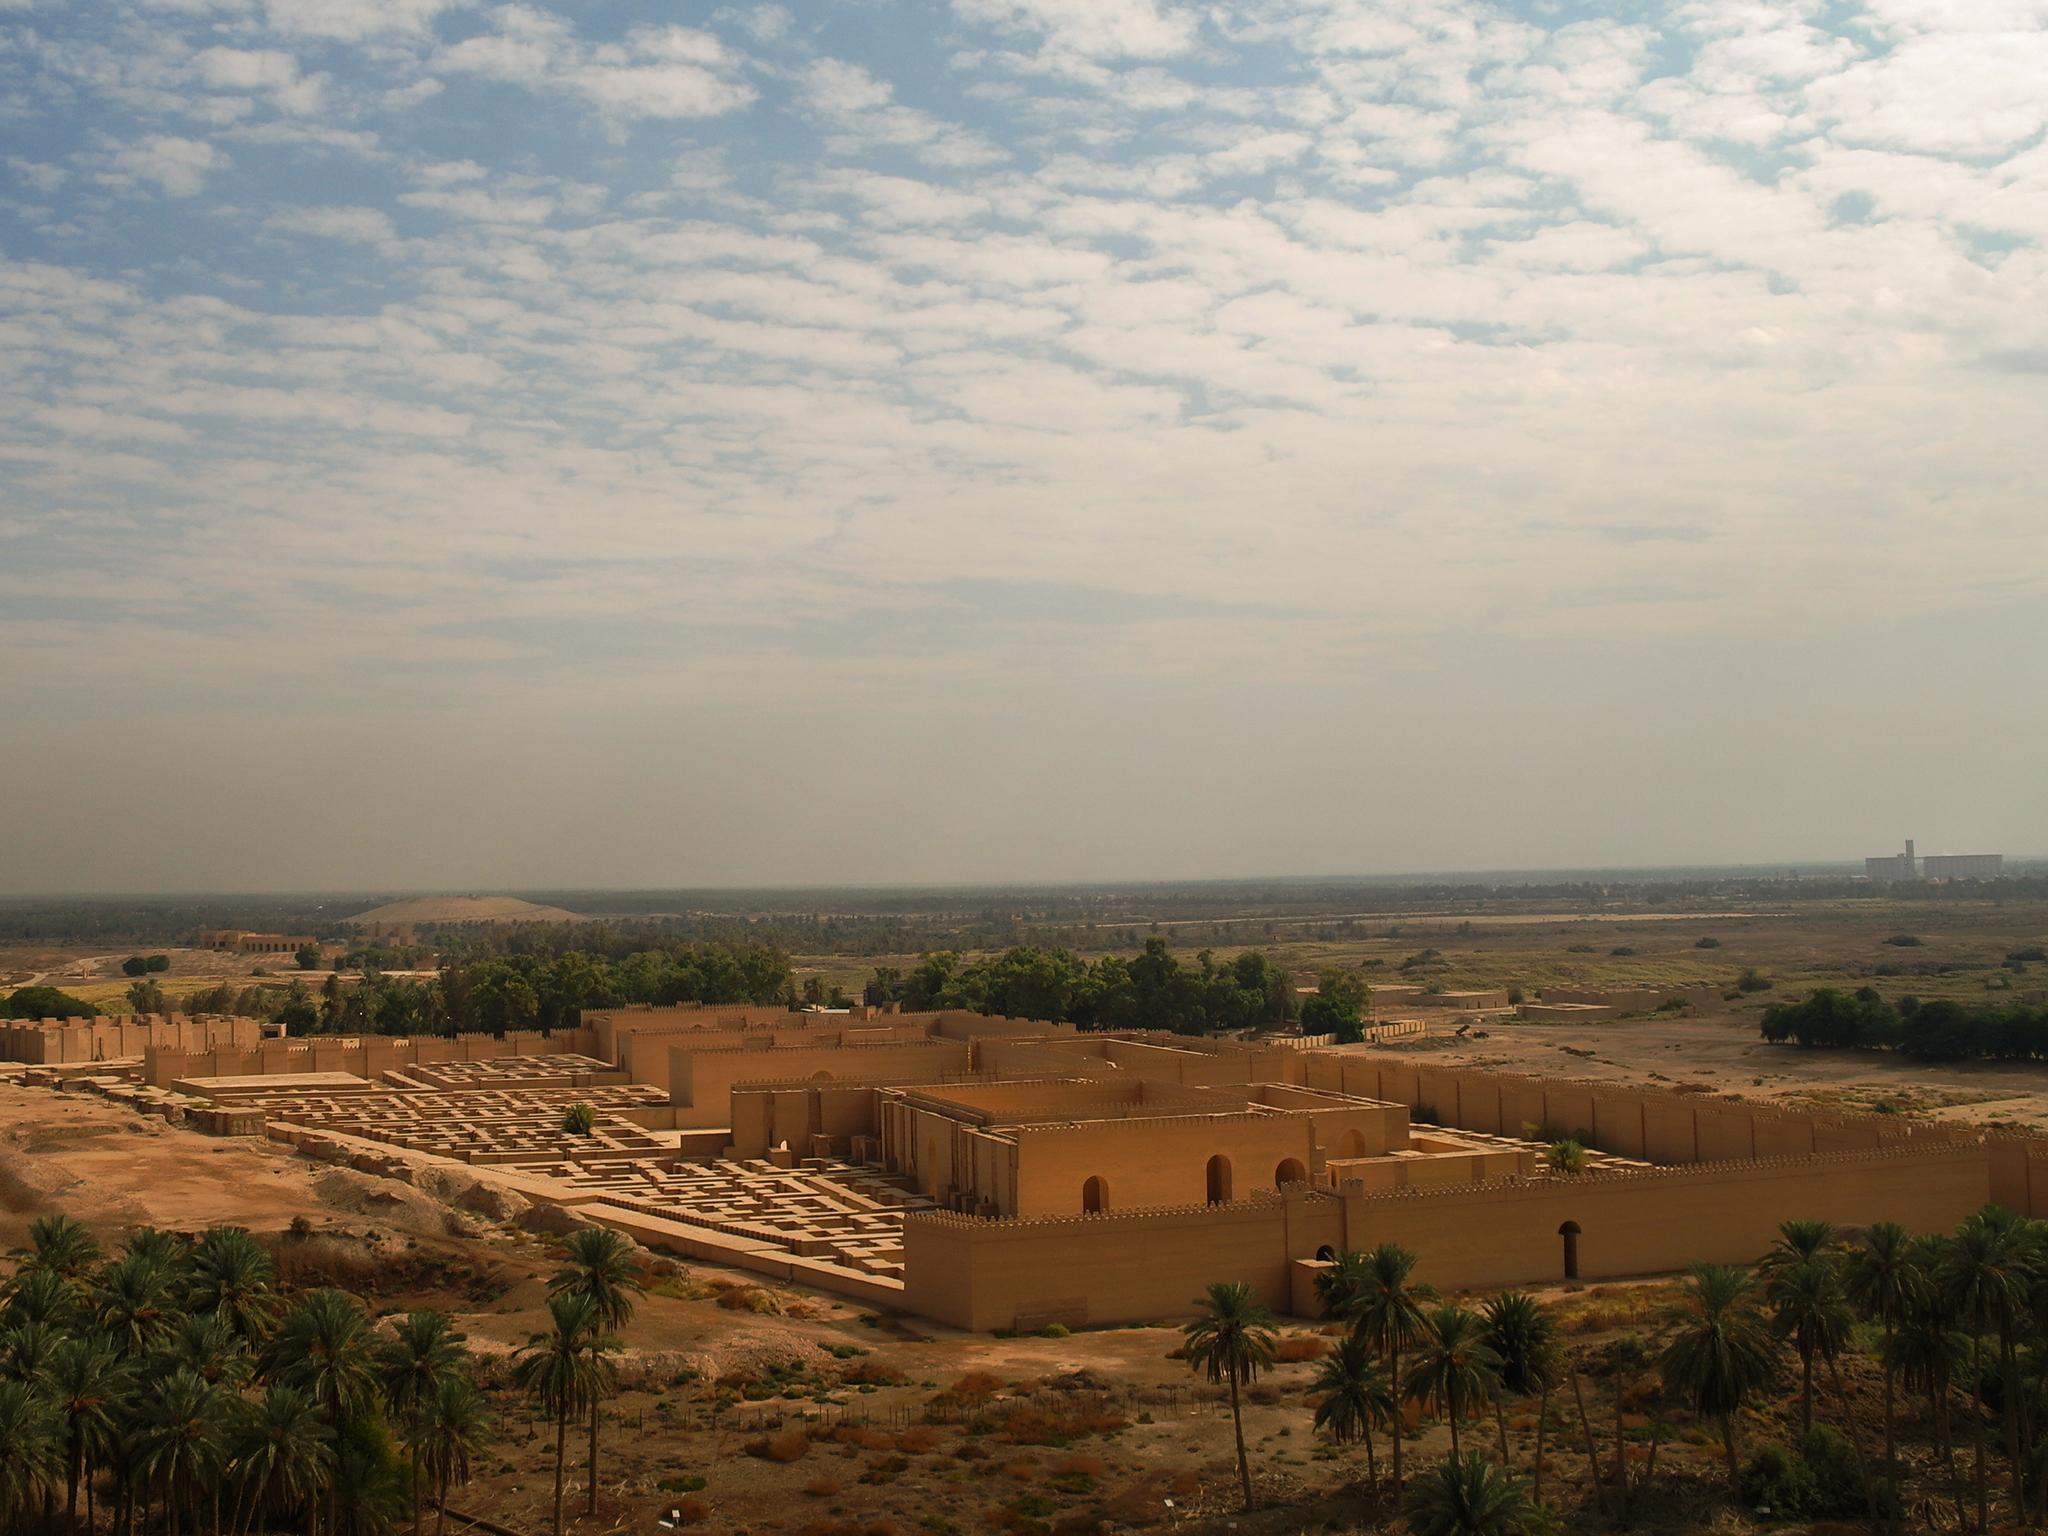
{"x": 1463, "y": 1496}
{"x": 601, "y": 1269}
{"x": 1386, "y": 1312}
{"x": 323, "y": 1346}
{"x": 1810, "y": 1308}
{"x": 559, "y": 1370}
{"x": 1337, "y": 1287}
{"x": 134, "y": 1304}
{"x": 29, "y": 1466}
{"x": 1455, "y": 1370}
{"x": 87, "y": 1385}
{"x": 1232, "y": 1341}
{"x": 1981, "y": 1273}
{"x": 43, "y": 1296}
{"x": 61, "y": 1247}
{"x": 424, "y": 1350}
{"x": 283, "y": 1453}
{"x": 1881, "y": 1278}
{"x": 1525, "y": 1340}
{"x": 184, "y": 1444}
{"x": 1721, "y": 1355}
{"x": 454, "y": 1429}
{"x": 1353, "y": 1399}
{"x": 231, "y": 1277}
{"x": 25, "y": 1352}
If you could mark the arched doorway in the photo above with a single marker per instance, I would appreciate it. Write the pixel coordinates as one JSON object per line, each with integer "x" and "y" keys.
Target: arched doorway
{"x": 1354, "y": 1143}
{"x": 1219, "y": 1179}
{"x": 1290, "y": 1171}
{"x": 1095, "y": 1194}
{"x": 1570, "y": 1233}
{"x": 1326, "y": 1254}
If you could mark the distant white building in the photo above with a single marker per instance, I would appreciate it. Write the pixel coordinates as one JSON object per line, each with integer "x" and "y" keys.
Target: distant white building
{"x": 1893, "y": 868}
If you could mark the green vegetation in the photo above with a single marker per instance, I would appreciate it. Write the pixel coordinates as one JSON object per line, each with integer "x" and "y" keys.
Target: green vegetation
{"x": 1149, "y": 990}
{"x": 179, "y": 1380}
{"x": 1931, "y": 1031}
{"x": 1232, "y": 1341}
{"x": 142, "y": 965}
{"x": 45, "y": 1003}
{"x": 579, "y": 1119}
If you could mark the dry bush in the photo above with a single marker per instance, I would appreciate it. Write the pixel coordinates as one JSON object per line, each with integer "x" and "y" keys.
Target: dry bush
{"x": 1082, "y": 1522}
{"x": 1298, "y": 1347}
{"x": 884, "y": 1470}
{"x": 1020, "y": 1471}
{"x": 970, "y": 1450}
{"x": 871, "y": 1373}
{"x": 824, "y": 1488}
{"x": 750, "y": 1298}
{"x": 828, "y": 1528}
{"x": 880, "y": 1525}
{"x": 866, "y": 1439}
{"x": 1078, "y": 1465}
{"x": 918, "y": 1440}
{"x": 691, "y": 1510}
{"x": 970, "y": 1391}
{"x": 783, "y": 1445}
{"x": 1059, "y": 1423}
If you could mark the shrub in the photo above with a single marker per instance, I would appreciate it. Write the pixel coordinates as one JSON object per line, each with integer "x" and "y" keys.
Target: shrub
{"x": 1578, "y": 949}
{"x": 1904, "y": 941}
{"x": 1709, "y": 942}
{"x": 749, "y": 1298}
{"x": 784, "y": 1445}
{"x": 682, "y": 1482}
{"x": 1753, "y": 980}
{"x": 579, "y": 1119}
{"x": 692, "y": 1511}
{"x": 1622, "y": 949}
{"x": 2031, "y": 952}
{"x": 1778, "y": 1481}
{"x": 1837, "y": 1480}
{"x": 823, "y": 1488}
{"x": 1297, "y": 1347}
{"x": 1053, "y": 1331}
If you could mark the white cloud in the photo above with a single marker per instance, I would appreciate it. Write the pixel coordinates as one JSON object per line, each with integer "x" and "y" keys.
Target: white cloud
{"x": 368, "y": 225}
{"x": 178, "y": 166}
{"x": 1093, "y": 29}
{"x": 655, "y": 72}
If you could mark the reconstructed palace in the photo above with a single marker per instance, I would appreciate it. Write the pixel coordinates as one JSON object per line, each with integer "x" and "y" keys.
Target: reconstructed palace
{"x": 1000, "y": 1173}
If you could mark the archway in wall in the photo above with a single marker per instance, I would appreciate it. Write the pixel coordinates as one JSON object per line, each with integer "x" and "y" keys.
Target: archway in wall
{"x": 931, "y": 1169}
{"x": 1326, "y": 1254}
{"x": 1219, "y": 1179}
{"x": 1570, "y": 1233}
{"x": 1354, "y": 1144}
{"x": 1290, "y": 1171}
{"x": 1095, "y": 1194}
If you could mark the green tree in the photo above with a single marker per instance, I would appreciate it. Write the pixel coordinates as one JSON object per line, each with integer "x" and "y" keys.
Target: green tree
{"x": 283, "y": 1453}
{"x": 452, "y": 1432}
{"x": 1339, "y": 1006}
{"x": 1982, "y": 1275}
{"x": 86, "y": 1384}
{"x": 1803, "y": 1288}
{"x": 1567, "y": 1157}
{"x": 1232, "y": 1341}
{"x": 184, "y": 1444}
{"x": 231, "y": 1276}
{"x": 147, "y": 997}
{"x": 1463, "y": 1496}
{"x": 60, "y": 1246}
{"x": 1882, "y": 1280}
{"x": 1721, "y": 1355}
{"x": 1352, "y": 1399}
{"x": 601, "y": 1270}
{"x": 1525, "y": 1340}
{"x": 45, "y": 1003}
{"x": 1454, "y": 1370}
{"x": 579, "y": 1119}
{"x": 560, "y": 1370}
{"x": 307, "y": 956}
{"x": 1387, "y": 1313}
{"x": 29, "y": 1465}
{"x": 134, "y": 1304}
{"x": 424, "y": 1350}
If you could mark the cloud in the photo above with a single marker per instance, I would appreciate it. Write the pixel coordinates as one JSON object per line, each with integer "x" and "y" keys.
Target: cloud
{"x": 177, "y": 166}
{"x": 1093, "y": 29}
{"x": 368, "y": 225}
{"x": 653, "y": 72}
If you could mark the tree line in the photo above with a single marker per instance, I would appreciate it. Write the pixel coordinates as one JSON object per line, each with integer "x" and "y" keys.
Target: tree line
{"x": 1938, "y": 1030}
{"x": 177, "y": 1384}
{"x": 1152, "y": 989}
{"x": 1957, "y": 1324}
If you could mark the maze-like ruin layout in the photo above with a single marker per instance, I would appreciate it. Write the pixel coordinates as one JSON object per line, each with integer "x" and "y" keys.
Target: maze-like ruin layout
{"x": 835, "y": 1213}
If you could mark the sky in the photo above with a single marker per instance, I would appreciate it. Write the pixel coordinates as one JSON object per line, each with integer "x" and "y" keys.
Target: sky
{"x": 456, "y": 445}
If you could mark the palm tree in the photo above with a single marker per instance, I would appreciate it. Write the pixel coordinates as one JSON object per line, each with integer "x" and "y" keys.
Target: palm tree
{"x": 233, "y": 1278}
{"x": 367, "y": 1497}
{"x": 1982, "y": 1276}
{"x": 324, "y": 1347}
{"x": 1232, "y": 1341}
{"x": 60, "y": 1246}
{"x": 1455, "y": 1370}
{"x": 1524, "y": 1340}
{"x": 1722, "y": 1355}
{"x": 1386, "y": 1312}
{"x": 28, "y": 1470}
{"x": 1463, "y": 1496}
{"x": 206, "y": 1345}
{"x": 87, "y": 1384}
{"x": 1338, "y": 1286}
{"x": 168, "y": 1251}
{"x": 284, "y": 1451}
{"x": 25, "y": 1352}
{"x": 1567, "y": 1157}
{"x": 454, "y": 1429}
{"x": 134, "y": 1304}
{"x": 42, "y": 1296}
{"x": 559, "y": 1370}
{"x": 1809, "y": 1307}
{"x": 423, "y": 1351}
{"x": 1881, "y": 1280}
{"x": 600, "y": 1269}
{"x": 184, "y": 1443}
{"x": 1799, "y": 1242}
{"x": 1353, "y": 1399}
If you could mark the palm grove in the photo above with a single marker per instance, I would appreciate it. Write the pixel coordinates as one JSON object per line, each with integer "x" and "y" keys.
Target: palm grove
{"x": 177, "y": 1386}
{"x": 1951, "y": 1329}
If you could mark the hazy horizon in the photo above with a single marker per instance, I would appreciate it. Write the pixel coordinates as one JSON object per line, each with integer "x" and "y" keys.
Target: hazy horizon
{"x": 451, "y": 445}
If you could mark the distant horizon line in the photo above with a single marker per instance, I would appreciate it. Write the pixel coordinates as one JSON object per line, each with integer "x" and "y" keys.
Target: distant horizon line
{"x": 1794, "y": 868}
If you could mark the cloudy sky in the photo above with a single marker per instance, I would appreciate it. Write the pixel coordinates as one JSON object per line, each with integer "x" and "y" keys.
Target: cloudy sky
{"x": 457, "y": 444}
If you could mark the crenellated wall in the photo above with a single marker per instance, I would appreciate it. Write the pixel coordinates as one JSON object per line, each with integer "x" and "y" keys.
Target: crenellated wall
{"x": 52, "y": 1042}
{"x": 366, "y": 1056}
